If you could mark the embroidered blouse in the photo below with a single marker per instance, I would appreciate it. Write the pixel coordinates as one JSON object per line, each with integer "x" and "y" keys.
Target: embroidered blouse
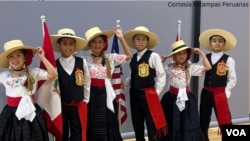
{"x": 177, "y": 77}
{"x": 99, "y": 71}
{"x": 15, "y": 86}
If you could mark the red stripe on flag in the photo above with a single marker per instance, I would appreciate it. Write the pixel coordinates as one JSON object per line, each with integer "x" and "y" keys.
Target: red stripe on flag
{"x": 117, "y": 86}
{"x": 121, "y": 96}
{"x": 116, "y": 75}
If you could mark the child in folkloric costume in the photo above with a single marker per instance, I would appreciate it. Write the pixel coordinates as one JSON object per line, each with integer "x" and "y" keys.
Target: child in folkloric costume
{"x": 22, "y": 119}
{"x": 146, "y": 81}
{"x": 74, "y": 83}
{"x": 178, "y": 103}
{"x": 219, "y": 80}
{"x": 103, "y": 122}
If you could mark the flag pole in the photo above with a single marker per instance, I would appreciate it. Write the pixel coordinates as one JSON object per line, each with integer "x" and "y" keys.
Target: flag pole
{"x": 119, "y": 104}
{"x": 43, "y": 19}
{"x": 179, "y": 30}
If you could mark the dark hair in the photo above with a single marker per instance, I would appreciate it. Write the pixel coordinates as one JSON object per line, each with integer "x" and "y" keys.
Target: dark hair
{"x": 141, "y": 34}
{"x": 210, "y": 38}
{"x": 24, "y": 51}
{"x": 189, "y": 53}
{"x": 60, "y": 39}
{"x": 104, "y": 37}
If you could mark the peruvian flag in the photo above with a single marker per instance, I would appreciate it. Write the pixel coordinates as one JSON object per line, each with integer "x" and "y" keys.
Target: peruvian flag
{"x": 116, "y": 82}
{"x": 48, "y": 91}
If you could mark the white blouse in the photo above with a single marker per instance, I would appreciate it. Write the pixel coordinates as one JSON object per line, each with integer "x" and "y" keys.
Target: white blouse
{"x": 15, "y": 86}
{"x": 177, "y": 77}
{"x": 99, "y": 71}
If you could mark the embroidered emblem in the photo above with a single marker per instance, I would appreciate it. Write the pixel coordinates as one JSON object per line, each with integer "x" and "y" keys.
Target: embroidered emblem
{"x": 143, "y": 69}
{"x": 79, "y": 77}
{"x": 221, "y": 68}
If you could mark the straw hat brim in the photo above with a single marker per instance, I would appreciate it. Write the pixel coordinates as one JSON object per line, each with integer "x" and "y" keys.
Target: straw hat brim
{"x": 229, "y": 37}
{"x": 178, "y": 50}
{"x": 80, "y": 42}
{"x": 153, "y": 38}
{"x": 108, "y": 33}
{"x": 4, "y": 63}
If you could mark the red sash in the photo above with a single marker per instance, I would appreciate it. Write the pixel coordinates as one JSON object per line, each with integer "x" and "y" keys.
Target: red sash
{"x": 82, "y": 110}
{"x": 175, "y": 91}
{"x": 14, "y": 101}
{"x": 83, "y": 114}
{"x": 156, "y": 111}
{"x": 221, "y": 105}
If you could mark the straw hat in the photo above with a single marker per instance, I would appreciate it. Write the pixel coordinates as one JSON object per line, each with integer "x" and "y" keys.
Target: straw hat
{"x": 229, "y": 37}
{"x": 96, "y": 31}
{"x": 67, "y": 33}
{"x": 129, "y": 35}
{"x": 177, "y": 47}
{"x": 10, "y": 47}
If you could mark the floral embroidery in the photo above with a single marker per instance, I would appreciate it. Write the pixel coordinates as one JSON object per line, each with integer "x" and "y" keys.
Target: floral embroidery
{"x": 100, "y": 71}
{"x": 15, "y": 82}
{"x": 177, "y": 73}
{"x": 177, "y": 77}
{"x": 119, "y": 57}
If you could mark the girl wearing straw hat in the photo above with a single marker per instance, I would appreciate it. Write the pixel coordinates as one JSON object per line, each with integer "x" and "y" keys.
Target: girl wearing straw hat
{"x": 147, "y": 80}
{"x": 102, "y": 119}
{"x": 74, "y": 83}
{"x": 179, "y": 105}
{"x": 219, "y": 80}
{"x": 22, "y": 119}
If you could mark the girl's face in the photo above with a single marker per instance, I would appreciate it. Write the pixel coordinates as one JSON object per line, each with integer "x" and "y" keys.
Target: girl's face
{"x": 67, "y": 47}
{"x": 97, "y": 45}
{"x": 180, "y": 57}
{"x": 16, "y": 59}
{"x": 140, "y": 42}
{"x": 217, "y": 43}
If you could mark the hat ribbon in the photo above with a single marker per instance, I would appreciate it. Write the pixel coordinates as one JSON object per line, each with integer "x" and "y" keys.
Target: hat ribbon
{"x": 68, "y": 34}
{"x": 178, "y": 47}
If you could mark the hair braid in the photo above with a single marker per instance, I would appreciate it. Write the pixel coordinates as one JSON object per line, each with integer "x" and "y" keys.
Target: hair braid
{"x": 30, "y": 80}
{"x": 187, "y": 72}
{"x": 106, "y": 61}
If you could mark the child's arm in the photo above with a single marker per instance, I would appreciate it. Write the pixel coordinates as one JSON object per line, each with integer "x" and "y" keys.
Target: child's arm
{"x": 207, "y": 65}
{"x": 164, "y": 58}
{"x": 127, "y": 51}
{"x": 87, "y": 79}
{"x": 231, "y": 77}
{"x": 52, "y": 72}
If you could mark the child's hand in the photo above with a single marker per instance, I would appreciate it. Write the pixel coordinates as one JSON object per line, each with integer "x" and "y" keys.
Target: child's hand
{"x": 197, "y": 51}
{"x": 163, "y": 58}
{"x": 118, "y": 31}
{"x": 122, "y": 85}
{"x": 40, "y": 52}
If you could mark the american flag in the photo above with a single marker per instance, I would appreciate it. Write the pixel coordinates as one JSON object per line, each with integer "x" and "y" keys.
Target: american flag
{"x": 116, "y": 82}
{"x": 48, "y": 91}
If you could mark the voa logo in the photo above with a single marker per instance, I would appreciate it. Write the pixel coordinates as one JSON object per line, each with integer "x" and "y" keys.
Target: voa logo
{"x": 236, "y": 132}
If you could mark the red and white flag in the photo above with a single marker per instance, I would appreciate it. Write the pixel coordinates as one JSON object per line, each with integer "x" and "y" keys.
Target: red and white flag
{"x": 48, "y": 91}
{"x": 116, "y": 82}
